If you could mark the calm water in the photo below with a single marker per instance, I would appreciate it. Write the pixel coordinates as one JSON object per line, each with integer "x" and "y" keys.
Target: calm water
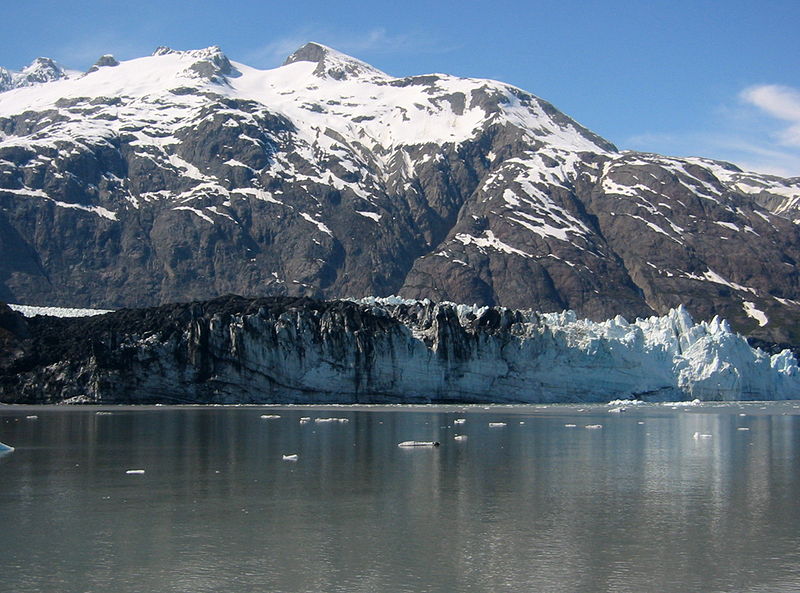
{"x": 638, "y": 505}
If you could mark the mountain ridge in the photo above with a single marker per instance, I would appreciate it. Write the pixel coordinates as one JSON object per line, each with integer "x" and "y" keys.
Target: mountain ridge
{"x": 187, "y": 175}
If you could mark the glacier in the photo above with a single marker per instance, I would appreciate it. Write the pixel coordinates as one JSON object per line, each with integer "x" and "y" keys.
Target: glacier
{"x": 234, "y": 350}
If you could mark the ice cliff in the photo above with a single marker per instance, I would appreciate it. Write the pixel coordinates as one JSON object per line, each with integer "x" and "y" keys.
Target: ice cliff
{"x": 299, "y": 350}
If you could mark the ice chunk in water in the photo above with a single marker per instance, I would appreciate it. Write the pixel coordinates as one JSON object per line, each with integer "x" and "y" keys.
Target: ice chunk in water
{"x": 5, "y": 448}
{"x": 418, "y": 444}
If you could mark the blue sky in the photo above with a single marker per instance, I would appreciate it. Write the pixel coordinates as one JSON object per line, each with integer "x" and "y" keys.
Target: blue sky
{"x": 681, "y": 77}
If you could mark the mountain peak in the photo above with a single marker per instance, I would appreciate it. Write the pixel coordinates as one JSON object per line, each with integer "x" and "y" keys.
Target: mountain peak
{"x": 310, "y": 52}
{"x": 38, "y": 71}
{"x": 41, "y": 70}
{"x": 210, "y": 62}
{"x": 103, "y": 61}
{"x": 333, "y": 64}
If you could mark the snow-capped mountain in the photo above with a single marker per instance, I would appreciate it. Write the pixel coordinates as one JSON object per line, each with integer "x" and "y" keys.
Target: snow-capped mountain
{"x": 39, "y": 71}
{"x": 186, "y": 175}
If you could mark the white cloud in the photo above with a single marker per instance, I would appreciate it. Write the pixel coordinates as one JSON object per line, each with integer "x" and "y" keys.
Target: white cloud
{"x": 761, "y": 133}
{"x": 781, "y": 102}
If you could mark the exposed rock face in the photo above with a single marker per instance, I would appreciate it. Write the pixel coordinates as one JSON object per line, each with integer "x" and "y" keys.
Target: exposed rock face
{"x": 185, "y": 176}
{"x": 298, "y": 350}
{"x": 103, "y": 61}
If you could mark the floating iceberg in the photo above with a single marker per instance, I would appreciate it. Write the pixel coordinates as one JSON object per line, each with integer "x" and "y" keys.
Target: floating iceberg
{"x": 406, "y": 444}
{"x": 5, "y": 448}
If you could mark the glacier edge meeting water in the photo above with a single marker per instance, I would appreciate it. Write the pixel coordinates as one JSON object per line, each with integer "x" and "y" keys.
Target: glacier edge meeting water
{"x": 389, "y": 350}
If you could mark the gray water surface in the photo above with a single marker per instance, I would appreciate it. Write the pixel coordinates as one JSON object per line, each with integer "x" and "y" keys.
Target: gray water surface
{"x": 645, "y": 503}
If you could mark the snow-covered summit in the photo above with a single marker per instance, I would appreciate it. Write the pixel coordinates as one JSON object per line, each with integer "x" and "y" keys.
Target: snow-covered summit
{"x": 333, "y": 64}
{"x": 39, "y": 71}
{"x": 322, "y": 91}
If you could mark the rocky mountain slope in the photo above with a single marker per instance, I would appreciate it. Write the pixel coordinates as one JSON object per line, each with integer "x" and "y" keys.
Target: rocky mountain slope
{"x": 184, "y": 175}
{"x": 299, "y": 350}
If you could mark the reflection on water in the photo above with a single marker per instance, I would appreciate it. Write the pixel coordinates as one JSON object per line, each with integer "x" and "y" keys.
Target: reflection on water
{"x": 643, "y": 504}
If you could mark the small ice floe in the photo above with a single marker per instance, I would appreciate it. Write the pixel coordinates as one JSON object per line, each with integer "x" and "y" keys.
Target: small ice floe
{"x": 460, "y": 438}
{"x": 5, "y": 448}
{"x": 694, "y": 402}
{"x": 625, "y": 402}
{"x": 497, "y": 424}
{"x": 405, "y": 444}
{"x": 326, "y": 420}
{"x": 269, "y": 416}
{"x": 292, "y": 457}
{"x": 593, "y": 426}
{"x": 135, "y": 471}
{"x": 699, "y": 435}
{"x": 522, "y": 422}
{"x": 32, "y": 417}
{"x": 742, "y": 428}
{"x": 570, "y": 425}
{"x": 617, "y": 410}
{"x": 459, "y": 421}
{"x": 742, "y": 414}
{"x": 640, "y": 422}
{"x": 103, "y": 413}
{"x": 305, "y": 420}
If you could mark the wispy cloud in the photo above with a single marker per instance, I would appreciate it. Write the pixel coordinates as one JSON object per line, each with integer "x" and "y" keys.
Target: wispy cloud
{"x": 376, "y": 41}
{"x": 759, "y": 132}
{"x": 780, "y": 102}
